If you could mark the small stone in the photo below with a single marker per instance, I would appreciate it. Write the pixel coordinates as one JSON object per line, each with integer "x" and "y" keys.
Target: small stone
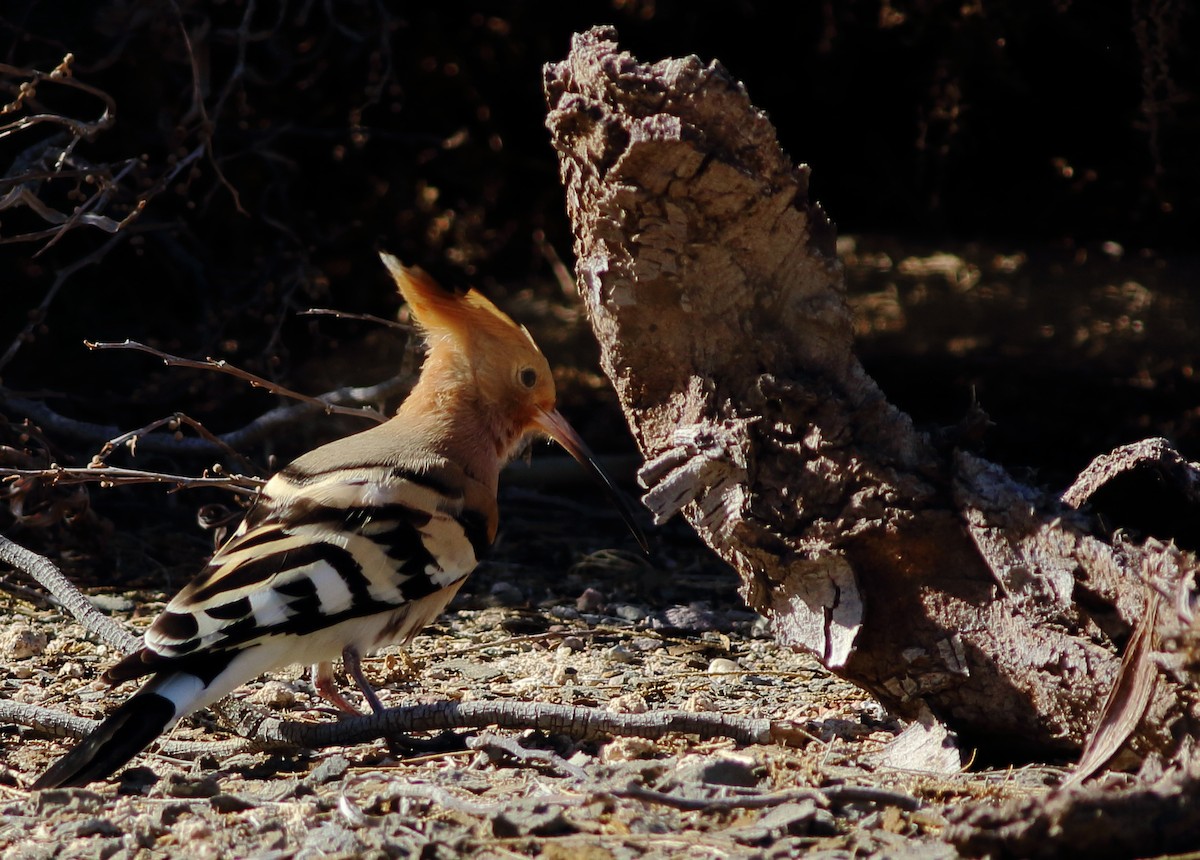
{"x": 629, "y": 612}
{"x": 70, "y": 669}
{"x": 111, "y": 603}
{"x": 629, "y": 703}
{"x": 573, "y": 642}
{"x": 723, "y": 666}
{"x": 20, "y": 641}
{"x": 564, "y": 613}
{"x": 590, "y": 601}
{"x": 628, "y": 749}
{"x": 565, "y": 675}
{"x": 761, "y": 628}
{"x": 274, "y": 694}
{"x": 328, "y": 770}
{"x": 619, "y": 654}
{"x": 699, "y": 703}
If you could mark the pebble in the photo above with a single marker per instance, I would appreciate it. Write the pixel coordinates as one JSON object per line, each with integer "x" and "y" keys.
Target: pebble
{"x": 628, "y": 749}
{"x": 332, "y": 768}
{"x": 572, "y": 642}
{"x": 629, "y": 612}
{"x": 629, "y": 703}
{"x": 646, "y": 643}
{"x": 589, "y": 601}
{"x": 20, "y": 641}
{"x": 723, "y": 666}
{"x": 274, "y": 694}
{"x": 565, "y": 675}
{"x": 619, "y": 654}
{"x": 70, "y": 669}
{"x": 111, "y": 603}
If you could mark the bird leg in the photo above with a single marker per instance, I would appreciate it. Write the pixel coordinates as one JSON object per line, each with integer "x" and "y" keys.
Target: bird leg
{"x": 323, "y": 680}
{"x": 353, "y": 664}
{"x": 399, "y": 746}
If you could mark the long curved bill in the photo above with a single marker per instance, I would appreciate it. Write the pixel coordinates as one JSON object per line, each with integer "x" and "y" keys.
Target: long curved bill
{"x": 556, "y": 427}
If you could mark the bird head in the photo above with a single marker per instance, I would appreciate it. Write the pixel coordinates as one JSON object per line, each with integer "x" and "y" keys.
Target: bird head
{"x": 476, "y": 347}
{"x": 477, "y": 350}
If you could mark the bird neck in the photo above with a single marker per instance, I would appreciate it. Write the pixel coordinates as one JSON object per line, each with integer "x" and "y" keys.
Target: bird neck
{"x": 446, "y": 409}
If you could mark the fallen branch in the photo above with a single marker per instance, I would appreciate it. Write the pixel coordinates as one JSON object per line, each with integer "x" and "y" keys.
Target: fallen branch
{"x": 279, "y": 418}
{"x": 578, "y": 722}
{"x": 51, "y": 578}
{"x": 823, "y": 797}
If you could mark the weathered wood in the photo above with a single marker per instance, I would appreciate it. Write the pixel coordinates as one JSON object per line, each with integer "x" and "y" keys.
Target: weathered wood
{"x": 922, "y": 573}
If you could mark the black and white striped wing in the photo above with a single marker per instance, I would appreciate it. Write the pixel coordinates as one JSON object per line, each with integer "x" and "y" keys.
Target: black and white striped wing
{"x": 320, "y": 550}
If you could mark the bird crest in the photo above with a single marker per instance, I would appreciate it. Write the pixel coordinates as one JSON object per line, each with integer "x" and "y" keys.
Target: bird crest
{"x": 464, "y": 316}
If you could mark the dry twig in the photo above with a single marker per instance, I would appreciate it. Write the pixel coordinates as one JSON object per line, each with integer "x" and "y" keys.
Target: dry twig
{"x": 111, "y": 476}
{"x": 222, "y": 366}
{"x": 51, "y": 578}
{"x": 279, "y": 418}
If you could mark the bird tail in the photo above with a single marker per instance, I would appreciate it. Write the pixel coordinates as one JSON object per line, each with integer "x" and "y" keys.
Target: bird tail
{"x": 126, "y": 732}
{"x": 170, "y": 694}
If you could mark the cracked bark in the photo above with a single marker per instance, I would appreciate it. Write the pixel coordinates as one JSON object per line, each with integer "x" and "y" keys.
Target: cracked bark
{"x": 913, "y": 568}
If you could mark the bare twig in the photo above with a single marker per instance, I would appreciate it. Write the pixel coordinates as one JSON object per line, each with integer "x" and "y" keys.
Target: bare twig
{"x": 822, "y": 797}
{"x": 222, "y": 366}
{"x": 61, "y": 75}
{"x": 51, "y": 578}
{"x": 198, "y": 107}
{"x": 346, "y": 315}
{"x": 111, "y": 476}
{"x": 63, "y": 725}
{"x": 279, "y": 418}
{"x": 497, "y": 747}
{"x": 132, "y": 438}
{"x": 574, "y": 721}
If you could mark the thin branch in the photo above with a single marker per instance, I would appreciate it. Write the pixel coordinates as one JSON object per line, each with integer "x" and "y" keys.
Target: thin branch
{"x": 346, "y": 315}
{"x": 61, "y": 75}
{"x": 222, "y": 366}
{"x": 823, "y": 797}
{"x": 575, "y": 721}
{"x": 497, "y": 747}
{"x": 51, "y": 578}
{"x": 112, "y": 476}
{"x": 63, "y": 725}
{"x": 132, "y": 438}
{"x": 281, "y": 417}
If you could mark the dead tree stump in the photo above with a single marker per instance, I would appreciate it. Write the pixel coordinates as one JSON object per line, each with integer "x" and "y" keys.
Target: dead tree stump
{"x": 910, "y": 566}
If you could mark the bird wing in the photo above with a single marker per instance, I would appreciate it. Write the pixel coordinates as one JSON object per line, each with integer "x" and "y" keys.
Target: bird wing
{"x": 321, "y": 548}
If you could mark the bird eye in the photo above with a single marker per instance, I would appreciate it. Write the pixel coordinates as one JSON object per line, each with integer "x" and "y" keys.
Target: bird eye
{"x": 528, "y": 377}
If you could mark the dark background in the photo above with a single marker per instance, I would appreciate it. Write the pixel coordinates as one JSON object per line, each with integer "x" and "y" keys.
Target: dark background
{"x": 328, "y": 130}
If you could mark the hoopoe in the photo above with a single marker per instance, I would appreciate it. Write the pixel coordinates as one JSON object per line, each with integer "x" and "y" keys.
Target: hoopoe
{"x": 358, "y": 544}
